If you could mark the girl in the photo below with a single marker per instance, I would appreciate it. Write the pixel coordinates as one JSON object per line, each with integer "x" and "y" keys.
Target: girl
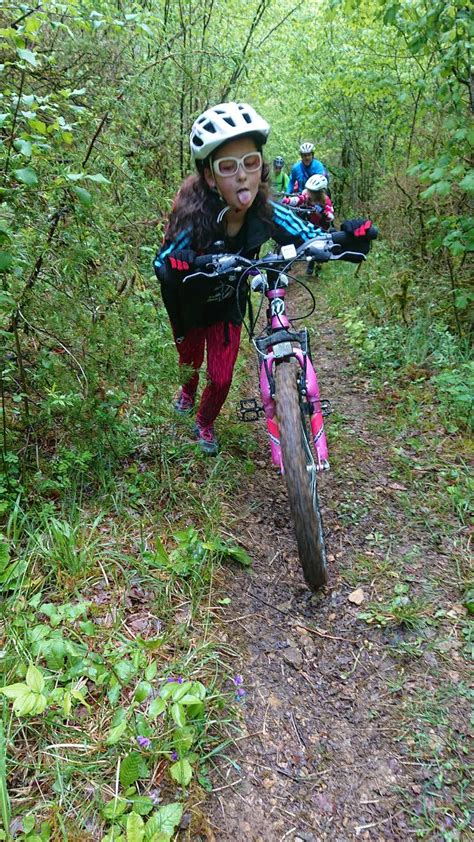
{"x": 314, "y": 196}
{"x": 227, "y": 200}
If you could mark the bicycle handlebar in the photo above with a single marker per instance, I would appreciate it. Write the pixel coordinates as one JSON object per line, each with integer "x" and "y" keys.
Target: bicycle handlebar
{"x": 336, "y": 245}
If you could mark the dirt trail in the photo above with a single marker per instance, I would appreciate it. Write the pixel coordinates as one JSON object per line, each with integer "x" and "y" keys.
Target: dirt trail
{"x": 322, "y": 759}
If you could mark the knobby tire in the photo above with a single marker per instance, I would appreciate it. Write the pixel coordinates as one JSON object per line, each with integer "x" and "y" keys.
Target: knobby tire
{"x": 300, "y": 475}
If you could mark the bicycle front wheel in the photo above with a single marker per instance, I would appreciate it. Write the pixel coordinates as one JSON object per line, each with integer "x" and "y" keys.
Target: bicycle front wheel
{"x": 300, "y": 475}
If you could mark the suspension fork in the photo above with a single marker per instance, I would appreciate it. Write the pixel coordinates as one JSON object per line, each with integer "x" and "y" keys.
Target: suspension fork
{"x": 309, "y": 389}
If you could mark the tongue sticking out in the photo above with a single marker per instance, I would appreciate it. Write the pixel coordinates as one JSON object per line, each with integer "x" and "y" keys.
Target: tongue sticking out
{"x": 244, "y": 197}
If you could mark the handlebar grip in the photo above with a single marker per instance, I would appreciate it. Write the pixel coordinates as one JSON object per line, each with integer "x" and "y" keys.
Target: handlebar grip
{"x": 203, "y": 261}
{"x": 344, "y": 238}
{"x": 372, "y": 233}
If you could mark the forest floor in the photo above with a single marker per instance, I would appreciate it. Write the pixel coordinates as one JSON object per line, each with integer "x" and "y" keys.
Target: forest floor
{"x": 355, "y": 714}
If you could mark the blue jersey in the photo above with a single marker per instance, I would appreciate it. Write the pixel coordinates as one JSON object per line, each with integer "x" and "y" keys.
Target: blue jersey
{"x": 300, "y": 173}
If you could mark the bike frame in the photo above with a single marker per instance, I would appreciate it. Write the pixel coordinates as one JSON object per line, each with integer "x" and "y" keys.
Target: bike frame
{"x": 280, "y": 343}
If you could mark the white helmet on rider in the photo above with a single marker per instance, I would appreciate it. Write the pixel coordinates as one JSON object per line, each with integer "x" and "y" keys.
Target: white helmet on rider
{"x": 224, "y": 122}
{"x": 317, "y": 182}
{"x": 306, "y": 148}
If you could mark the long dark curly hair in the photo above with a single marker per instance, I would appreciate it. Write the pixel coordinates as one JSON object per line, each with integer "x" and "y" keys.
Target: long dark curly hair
{"x": 197, "y": 206}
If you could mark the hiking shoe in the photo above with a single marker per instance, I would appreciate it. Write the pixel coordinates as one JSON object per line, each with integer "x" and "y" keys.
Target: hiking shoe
{"x": 310, "y": 268}
{"x": 184, "y": 404}
{"x": 206, "y": 439}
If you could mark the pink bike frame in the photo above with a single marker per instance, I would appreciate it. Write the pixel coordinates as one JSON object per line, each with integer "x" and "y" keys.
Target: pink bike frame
{"x": 280, "y": 321}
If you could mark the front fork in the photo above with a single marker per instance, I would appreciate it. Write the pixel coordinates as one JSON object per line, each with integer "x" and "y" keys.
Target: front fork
{"x": 267, "y": 375}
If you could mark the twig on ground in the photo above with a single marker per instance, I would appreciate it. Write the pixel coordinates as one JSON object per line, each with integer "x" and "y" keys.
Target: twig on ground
{"x": 227, "y": 786}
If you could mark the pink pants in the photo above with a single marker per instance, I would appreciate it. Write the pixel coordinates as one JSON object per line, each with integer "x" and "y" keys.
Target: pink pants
{"x": 222, "y": 341}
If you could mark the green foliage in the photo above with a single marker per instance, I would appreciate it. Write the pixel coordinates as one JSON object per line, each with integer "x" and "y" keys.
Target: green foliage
{"x": 401, "y": 610}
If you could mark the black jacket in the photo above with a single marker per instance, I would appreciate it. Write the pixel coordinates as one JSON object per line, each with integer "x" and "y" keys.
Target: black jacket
{"x": 202, "y": 301}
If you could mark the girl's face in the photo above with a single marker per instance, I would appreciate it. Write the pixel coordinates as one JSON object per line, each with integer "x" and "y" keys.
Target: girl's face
{"x": 239, "y": 189}
{"x": 316, "y": 196}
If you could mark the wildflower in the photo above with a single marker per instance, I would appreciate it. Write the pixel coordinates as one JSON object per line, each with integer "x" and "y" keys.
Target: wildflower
{"x": 239, "y": 693}
{"x": 179, "y": 680}
{"x": 238, "y": 680}
{"x": 143, "y": 742}
{"x": 155, "y": 797}
{"x": 174, "y": 755}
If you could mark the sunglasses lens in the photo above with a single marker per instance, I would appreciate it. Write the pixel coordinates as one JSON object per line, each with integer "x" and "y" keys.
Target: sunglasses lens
{"x": 252, "y": 161}
{"x": 227, "y": 166}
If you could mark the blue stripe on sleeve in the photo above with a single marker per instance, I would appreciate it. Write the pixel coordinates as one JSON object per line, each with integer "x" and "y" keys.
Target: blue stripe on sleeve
{"x": 183, "y": 240}
{"x": 292, "y": 223}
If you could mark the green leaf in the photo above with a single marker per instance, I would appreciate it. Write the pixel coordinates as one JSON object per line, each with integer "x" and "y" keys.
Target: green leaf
{"x": 14, "y": 691}
{"x": 142, "y": 691}
{"x": 24, "y": 147}
{"x": 183, "y": 739}
{"x": 27, "y": 55}
{"x": 135, "y": 828}
{"x": 38, "y": 125}
{"x": 181, "y": 772}
{"x": 151, "y": 671}
{"x": 124, "y": 669}
{"x": 174, "y": 690}
{"x": 467, "y": 182}
{"x": 156, "y": 708}
{"x": 114, "y": 808}
{"x": 178, "y": 714}
{"x": 116, "y": 732}
{"x": 130, "y": 769}
{"x": 6, "y": 260}
{"x": 83, "y": 195}
{"x": 26, "y": 176}
{"x": 29, "y": 703}
{"x": 34, "y": 679}
{"x": 28, "y": 823}
{"x": 164, "y": 821}
{"x": 99, "y": 178}
{"x": 142, "y": 804}
{"x": 74, "y": 176}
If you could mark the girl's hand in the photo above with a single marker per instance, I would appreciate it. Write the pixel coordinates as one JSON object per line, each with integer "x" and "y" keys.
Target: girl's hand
{"x": 181, "y": 261}
{"x": 357, "y": 227}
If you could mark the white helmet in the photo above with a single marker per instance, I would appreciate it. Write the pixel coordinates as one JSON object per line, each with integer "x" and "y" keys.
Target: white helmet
{"x": 306, "y": 148}
{"x": 317, "y": 182}
{"x": 224, "y": 122}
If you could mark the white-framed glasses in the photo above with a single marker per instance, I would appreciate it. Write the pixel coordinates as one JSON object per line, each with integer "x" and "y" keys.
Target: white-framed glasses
{"x": 251, "y": 162}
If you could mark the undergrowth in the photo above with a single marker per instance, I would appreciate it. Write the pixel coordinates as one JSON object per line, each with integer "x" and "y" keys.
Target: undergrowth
{"x": 116, "y": 696}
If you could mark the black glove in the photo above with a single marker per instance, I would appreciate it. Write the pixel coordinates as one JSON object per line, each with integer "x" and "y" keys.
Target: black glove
{"x": 357, "y": 227}
{"x": 181, "y": 261}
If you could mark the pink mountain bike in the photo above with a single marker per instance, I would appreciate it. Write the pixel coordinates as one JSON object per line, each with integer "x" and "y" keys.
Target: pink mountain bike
{"x": 289, "y": 389}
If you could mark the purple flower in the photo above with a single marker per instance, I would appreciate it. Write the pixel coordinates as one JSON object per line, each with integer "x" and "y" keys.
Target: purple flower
{"x": 239, "y": 693}
{"x": 174, "y": 755}
{"x": 179, "y": 680}
{"x": 155, "y": 796}
{"x": 143, "y": 742}
{"x": 238, "y": 680}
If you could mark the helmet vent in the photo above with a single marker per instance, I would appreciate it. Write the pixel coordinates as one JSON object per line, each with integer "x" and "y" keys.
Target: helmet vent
{"x": 230, "y": 121}
{"x": 210, "y": 127}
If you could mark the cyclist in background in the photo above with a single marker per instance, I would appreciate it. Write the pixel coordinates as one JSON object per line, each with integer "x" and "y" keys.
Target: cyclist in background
{"x": 321, "y": 211}
{"x": 227, "y": 200}
{"x": 302, "y": 170}
{"x": 280, "y": 178}
{"x": 314, "y": 196}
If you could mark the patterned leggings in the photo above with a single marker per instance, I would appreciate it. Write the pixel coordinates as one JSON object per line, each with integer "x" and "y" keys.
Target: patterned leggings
{"x": 222, "y": 341}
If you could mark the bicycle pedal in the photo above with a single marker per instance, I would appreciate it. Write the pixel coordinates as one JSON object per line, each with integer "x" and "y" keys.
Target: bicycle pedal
{"x": 250, "y": 410}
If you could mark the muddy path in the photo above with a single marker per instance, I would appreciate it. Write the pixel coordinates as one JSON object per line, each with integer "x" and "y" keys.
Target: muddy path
{"x": 325, "y": 753}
